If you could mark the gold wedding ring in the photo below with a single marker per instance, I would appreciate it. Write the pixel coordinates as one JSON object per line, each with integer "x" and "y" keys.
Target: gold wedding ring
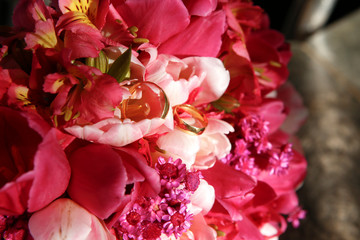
{"x": 186, "y": 111}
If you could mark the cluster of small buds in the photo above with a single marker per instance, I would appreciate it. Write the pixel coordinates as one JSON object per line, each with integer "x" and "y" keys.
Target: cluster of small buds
{"x": 253, "y": 152}
{"x": 295, "y": 216}
{"x": 254, "y": 131}
{"x": 168, "y": 213}
{"x": 14, "y": 227}
{"x": 279, "y": 161}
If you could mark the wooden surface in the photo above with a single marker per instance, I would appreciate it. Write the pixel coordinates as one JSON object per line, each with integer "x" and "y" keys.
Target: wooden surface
{"x": 325, "y": 69}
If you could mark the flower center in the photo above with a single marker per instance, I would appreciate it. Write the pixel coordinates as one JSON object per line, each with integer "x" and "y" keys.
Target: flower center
{"x": 168, "y": 170}
{"x": 152, "y": 231}
{"x": 133, "y": 218}
{"x": 192, "y": 181}
{"x": 177, "y": 219}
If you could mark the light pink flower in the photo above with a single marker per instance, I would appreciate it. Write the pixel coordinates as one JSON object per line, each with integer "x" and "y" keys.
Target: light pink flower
{"x": 32, "y": 163}
{"x": 198, "y": 151}
{"x": 213, "y": 143}
{"x": 180, "y": 77}
{"x": 65, "y": 219}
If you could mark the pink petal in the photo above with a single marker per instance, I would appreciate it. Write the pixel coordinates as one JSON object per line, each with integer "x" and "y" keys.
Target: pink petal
{"x": 26, "y": 13}
{"x": 227, "y": 181}
{"x": 203, "y": 198}
{"x": 246, "y": 229}
{"x": 202, "y": 37}
{"x": 263, "y": 194}
{"x": 200, "y": 7}
{"x": 135, "y": 161}
{"x": 157, "y": 20}
{"x": 292, "y": 179}
{"x": 114, "y": 132}
{"x": 216, "y": 79}
{"x": 98, "y": 179}
{"x": 5, "y": 81}
{"x": 294, "y": 104}
{"x": 271, "y": 110}
{"x": 201, "y": 230}
{"x": 14, "y": 195}
{"x": 52, "y": 173}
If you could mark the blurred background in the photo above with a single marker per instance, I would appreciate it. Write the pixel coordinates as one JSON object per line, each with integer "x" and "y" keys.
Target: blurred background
{"x": 325, "y": 69}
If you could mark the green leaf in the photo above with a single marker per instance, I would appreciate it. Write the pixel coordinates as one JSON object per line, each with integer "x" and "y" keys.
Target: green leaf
{"x": 226, "y": 103}
{"x": 100, "y": 62}
{"x": 120, "y": 69}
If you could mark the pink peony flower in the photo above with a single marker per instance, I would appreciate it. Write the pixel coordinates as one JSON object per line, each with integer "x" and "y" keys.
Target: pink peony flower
{"x": 67, "y": 220}
{"x": 34, "y": 168}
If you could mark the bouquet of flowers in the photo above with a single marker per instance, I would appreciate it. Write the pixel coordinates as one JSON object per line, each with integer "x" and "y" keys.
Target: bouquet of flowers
{"x": 147, "y": 119}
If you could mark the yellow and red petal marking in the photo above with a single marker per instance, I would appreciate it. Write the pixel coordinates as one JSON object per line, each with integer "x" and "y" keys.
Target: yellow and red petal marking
{"x": 53, "y": 82}
{"x": 19, "y": 94}
{"x": 71, "y": 20}
{"x": 88, "y": 7}
{"x": 44, "y": 35}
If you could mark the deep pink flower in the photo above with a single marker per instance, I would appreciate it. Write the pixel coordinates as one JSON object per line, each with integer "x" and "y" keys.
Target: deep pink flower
{"x": 100, "y": 174}
{"x": 165, "y": 23}
{"x": 32, "y": 163}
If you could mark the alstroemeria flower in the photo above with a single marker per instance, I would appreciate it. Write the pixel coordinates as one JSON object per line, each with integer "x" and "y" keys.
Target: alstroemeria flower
{"x": 84, "y": 95}
{"x": 65, "y": 219}
{"x": 100, "y": 175}
{"x": 81, "y": 22}
{"x": 34, "y": 169}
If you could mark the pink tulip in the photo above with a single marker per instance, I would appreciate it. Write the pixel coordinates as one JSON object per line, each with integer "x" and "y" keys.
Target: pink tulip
{"x": 65, "y": 219}
{"x": 34, "y": 168}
